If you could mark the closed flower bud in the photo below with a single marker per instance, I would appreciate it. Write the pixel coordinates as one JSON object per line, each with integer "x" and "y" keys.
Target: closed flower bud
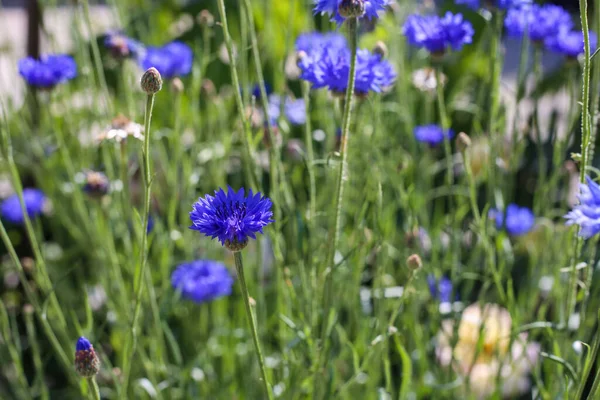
{"x": 205, "y": 18}
{"x": 151, "y": 81}
{"x": 176, "y": 85}
{"x": 87, "y": 363}
{"x": 381, "y": 49}
{"x": 413, "y": 262}
{"x": 352, "y": 8}
{"x": 463, "y": 142}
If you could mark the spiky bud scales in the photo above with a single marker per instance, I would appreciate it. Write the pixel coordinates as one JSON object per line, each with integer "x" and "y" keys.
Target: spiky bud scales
{"x": 151, "y": 81}
{"x": 352, "y": 8}
{"x": 87, "y": 363}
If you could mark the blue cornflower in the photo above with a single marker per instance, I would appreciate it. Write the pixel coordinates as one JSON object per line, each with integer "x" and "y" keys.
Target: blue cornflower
{"x": 501, "y": 4}
{"x": 202, "y": 280}
{"x": 121, "y": 46}
{"x": 34, "y": 204}
{"x": 87, "y": 363}
{"x": 437, "y": 34}
{"x": 516, "y": 220}
{"x": 441, "y": 290}
{"x": 587, "y": 213}
{"x": 432, "y": 134}
{"x": 570, "y": 43}
{"x": 256, "y": 90}
{"x": 330, "y": 68}
{"x": 331, "y": 7}
{"x": 171, "y": 60}
{"x": 231, "y": 217}
{"x": 541, "y": 22}
{"x": 309, "y": 42}
{"x": 294, "y": 109}
{"x": 48, "y": 71}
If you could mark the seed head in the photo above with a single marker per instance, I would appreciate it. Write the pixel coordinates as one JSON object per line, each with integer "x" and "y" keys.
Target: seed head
{"x": 151, "y": 81}
{"x": 463, "y": 142}
{"x": 352, "y": 8}
{"x": 413, "y": 262}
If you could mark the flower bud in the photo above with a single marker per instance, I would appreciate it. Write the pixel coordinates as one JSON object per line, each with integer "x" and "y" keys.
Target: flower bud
{"x": 463, "y": 142}
{"x": 151, "y": 82}
{"x": 381, "y": 49}
{"x": 413, "y": 262}
{"x": 352, "y": 8}
{"x": 177, "y": 85}
{"x": 87, "y": 363}
{"x": 205, "y": 18}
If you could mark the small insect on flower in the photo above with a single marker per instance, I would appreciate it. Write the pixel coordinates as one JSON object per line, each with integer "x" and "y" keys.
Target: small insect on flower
{"x": 120, "y": 129}
{"x": 202, "y": 280}
{"x": 96, "y": 184}
{"x": 35, "y": 202}
{"x": 48, "y": 71}
{"x": 231, "y": 217}
{"x": 517, "y": 220}
{"x": 432, "y": 134}
{"x": 87, "y": 363}
{"x": 171, "y": 60}
{"x": 587, "y": 213}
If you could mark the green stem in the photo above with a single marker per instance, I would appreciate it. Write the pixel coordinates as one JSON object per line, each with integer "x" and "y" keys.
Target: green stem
{"x": 249, "y": 314}
{"x": 342, "y": 171}
{"x": 495, "y": 72}
{"x": 590, "y": 362}
{"x": 250, "y": 173}
{"x": 310, "y": 155}
{"x": 95, "y": 389}
{"x": 129, "y": 349}
{"x": 445, "y": 127}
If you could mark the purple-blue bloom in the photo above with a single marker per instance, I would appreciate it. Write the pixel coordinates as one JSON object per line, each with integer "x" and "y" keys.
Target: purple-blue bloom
{"x": 309, "y": 42}
{"x": 34, "y": 200}
{"x": 541, "y": 22}
{"x": 171, "y": 60}
{"x": 294, "y": 109}
{"x": 437, "y": 34}
{"x": 231, "y": 217}
{"x": 121, "y": 46}
{"x": 441, "y": 289}
{"x": 83, "y": 344}
{"x": 570, "y": 43}
{"x": 48, "y": 71}
{"x": 202, "y": 280}
{"x": 501, "y": 4}
{"x": 330, "y": 68}
{"x": 372, "y": 9}
{"x": 432, "y": 134}
{"x": 516, "y": 220}
{"x": 587, "y": 213}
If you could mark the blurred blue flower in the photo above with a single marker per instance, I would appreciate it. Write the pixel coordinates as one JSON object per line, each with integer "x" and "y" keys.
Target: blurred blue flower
{"x": 34, "y": 204}
{"x": 587, "y": 213}
{"x": 541, "y": 22}
{"x": 516, "y": 220}
{"x": 372, "y": 9}
{"x": 87, "y": 363}
{"x": 48, "y": 71}
{"x": 121, "y": 46}
{"x": 256, "y": 91}
{"x": 231, "y": 217}
{"x": 83, "y": 344}
{"x": 150, "y": 224}
{"x": 171, "y": 60}
{"x": 570, "y": 43}
{"x": 330, "y": 68}
{"x": 309, "y": 42}
{"x": 432, "y": 134}
{"x": 441, "y": 290}
{"x": 202, "y": 280}
{"x": 437, "y": 34}
{"x": 501, "y": 4}
{"x": 294, "y": 109}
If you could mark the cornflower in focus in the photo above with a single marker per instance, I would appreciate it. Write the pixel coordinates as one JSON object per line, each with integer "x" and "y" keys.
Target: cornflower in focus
{"x": 516, "y": 220}
{"x": 369, "y": 9}
{"x": 540, "y": 22}
{"x": 121, "y": 46}
{"x": 436, "y": 34}
{"x": 48, "y": 71}
{"x": 432, "y": 134}
{"x": 120, "y": 129}
{"x": 35, "y": 202}
{"x": 171, "y": 60}
{"x": 232, "y": 217}
{"x": 483, "y": 352}
{"x": 202, "y": 280}
{"x": 87, "y": 363}
{"x": 587, "y": 213}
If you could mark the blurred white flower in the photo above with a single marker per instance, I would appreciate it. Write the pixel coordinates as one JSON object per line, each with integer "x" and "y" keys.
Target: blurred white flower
{"x": 120, "y": 129}
{"x": 425, "y": 80}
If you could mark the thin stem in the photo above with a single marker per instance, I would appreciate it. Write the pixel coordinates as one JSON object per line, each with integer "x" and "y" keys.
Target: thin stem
{"x": 129, "y": 349}
{"x": 95, "y": 389}
{"x": 250, "y": 173}
{"x": 310, "y": 155}
{"x": 249, "y": 314}
{"x": 495, "y": 72}
{"x": 342, "y": 172}
{"x": 590, "y": 362}
{"x": 445, "y": 128}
